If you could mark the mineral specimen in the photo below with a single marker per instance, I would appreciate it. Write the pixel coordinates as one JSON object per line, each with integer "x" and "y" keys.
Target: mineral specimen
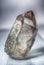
{"x": 21, "y": 36}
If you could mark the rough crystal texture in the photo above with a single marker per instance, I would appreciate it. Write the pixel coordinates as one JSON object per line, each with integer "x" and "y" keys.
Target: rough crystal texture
{"x": 21, "y": 36}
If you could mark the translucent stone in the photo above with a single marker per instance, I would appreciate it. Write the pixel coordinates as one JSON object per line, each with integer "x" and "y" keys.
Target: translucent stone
{"x": 21, "y": 37}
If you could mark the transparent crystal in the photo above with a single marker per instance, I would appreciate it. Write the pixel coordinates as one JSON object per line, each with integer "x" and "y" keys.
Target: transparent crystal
{"x": 20, "y": 38}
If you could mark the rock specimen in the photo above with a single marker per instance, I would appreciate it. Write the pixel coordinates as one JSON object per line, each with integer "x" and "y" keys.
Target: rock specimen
{"x": 21, "y": 36}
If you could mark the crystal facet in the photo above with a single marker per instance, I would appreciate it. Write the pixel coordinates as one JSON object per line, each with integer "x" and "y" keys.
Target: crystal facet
{"x": 21, "y": 36}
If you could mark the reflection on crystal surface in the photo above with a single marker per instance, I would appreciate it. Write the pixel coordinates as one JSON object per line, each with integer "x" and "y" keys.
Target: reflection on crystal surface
{"x": 38, "y": 44}
{"x": 21, "y": 36}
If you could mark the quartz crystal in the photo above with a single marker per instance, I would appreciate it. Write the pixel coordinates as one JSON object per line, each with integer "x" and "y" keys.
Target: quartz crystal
{"x": 21, "y": 36}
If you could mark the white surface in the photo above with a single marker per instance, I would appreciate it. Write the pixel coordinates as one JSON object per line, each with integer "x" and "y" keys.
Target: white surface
{"x": 9, "y": 10}
{"x": 36, "y": 57}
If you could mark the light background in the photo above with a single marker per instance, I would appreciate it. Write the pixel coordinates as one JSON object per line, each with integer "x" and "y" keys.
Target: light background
{"x": 9, "y": 9}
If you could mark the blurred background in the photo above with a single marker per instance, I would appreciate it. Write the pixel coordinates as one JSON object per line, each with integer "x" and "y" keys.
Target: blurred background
{"x": 9, "y": 9}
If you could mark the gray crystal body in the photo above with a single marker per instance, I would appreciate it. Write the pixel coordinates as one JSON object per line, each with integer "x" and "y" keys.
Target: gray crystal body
{"x": 20, "y": 39}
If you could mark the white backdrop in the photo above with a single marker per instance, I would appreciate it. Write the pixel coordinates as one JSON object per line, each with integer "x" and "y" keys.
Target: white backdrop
{"x": 9, "y": 9}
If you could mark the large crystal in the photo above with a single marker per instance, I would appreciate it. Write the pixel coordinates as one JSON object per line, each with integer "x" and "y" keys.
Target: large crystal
{"x": 21, "y": 36}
